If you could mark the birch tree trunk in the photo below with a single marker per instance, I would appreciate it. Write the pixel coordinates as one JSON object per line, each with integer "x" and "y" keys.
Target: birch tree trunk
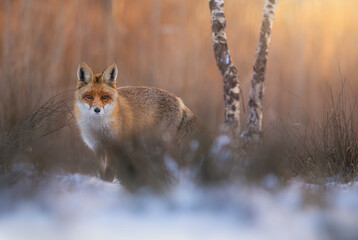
{"x": 226, "y": 67}
{"x": 255, "y": 105}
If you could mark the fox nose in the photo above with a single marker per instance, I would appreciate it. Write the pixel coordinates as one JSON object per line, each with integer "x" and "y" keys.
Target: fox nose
{"x": 97, "y": 110}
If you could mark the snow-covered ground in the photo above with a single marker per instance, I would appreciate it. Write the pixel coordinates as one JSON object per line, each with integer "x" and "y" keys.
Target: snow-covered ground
{"x": 84, "y": 207}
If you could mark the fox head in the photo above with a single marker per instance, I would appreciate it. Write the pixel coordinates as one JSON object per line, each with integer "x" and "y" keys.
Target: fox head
{"x": 96, "y": 95}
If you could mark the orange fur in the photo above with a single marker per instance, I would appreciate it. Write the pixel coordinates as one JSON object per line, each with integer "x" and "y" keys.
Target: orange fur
{"x": 103, "y": 112}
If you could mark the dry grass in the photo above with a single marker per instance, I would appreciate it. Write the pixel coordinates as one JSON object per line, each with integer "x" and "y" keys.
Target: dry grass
{"x": 44, "y": 120}
{"x": 167, "y": 44}
{"x": 318, "y": 152}
{"x": 327, "y": 150}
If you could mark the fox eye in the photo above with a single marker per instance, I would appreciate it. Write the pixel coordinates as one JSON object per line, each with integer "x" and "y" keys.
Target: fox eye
{"x": 89, "y": 96}
{"x": 104, "y": 97}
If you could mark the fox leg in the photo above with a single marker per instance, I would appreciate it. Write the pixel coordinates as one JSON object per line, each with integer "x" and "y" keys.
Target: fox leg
{"x": 105, "y": 169}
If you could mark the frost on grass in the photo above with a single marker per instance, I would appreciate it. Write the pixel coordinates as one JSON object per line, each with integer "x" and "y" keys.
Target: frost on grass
{"x": 74, "y": 206}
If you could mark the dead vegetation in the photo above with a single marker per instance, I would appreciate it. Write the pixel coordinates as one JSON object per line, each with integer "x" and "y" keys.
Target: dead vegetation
{"x": 318, "y": 151}
{"x": 42, "y": 44}
{"x": 46, "y": 119}
{"x": 326, "y": 150}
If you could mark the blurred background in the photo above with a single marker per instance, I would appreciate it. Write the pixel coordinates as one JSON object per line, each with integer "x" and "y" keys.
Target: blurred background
{"x": 167, "y": 44}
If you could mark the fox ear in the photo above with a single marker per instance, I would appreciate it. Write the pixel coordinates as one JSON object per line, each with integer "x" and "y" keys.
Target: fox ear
{"x": 110, "y": 75}
{"x": 84, "y": 74}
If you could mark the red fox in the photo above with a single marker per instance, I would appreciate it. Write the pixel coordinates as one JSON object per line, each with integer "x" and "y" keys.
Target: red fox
{"x": 103, "y": 111}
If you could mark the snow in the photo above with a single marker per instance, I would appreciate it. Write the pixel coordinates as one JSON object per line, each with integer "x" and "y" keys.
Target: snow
{"x": 74, "y": 206}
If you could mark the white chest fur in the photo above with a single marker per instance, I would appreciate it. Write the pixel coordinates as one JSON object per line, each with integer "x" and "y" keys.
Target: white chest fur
{"x": 95, "y": 128}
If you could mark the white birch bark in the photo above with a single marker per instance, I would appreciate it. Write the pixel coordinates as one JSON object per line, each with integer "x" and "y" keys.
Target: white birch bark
{"x": 255, "y": 105}
{"x": 227, "y": 69}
